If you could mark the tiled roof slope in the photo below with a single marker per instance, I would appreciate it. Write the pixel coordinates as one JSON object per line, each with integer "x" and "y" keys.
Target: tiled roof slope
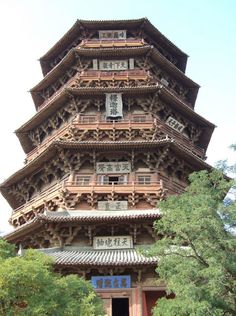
{"x": 90, "y": 257}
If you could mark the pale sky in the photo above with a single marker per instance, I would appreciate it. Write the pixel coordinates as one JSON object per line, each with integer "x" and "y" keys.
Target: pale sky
{"x": 204, "y": 29}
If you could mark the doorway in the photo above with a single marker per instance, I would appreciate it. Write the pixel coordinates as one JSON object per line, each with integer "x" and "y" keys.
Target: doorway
{"x": 120, "y": 307}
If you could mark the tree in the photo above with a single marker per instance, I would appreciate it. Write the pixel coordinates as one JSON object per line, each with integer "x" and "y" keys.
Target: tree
{"x": 29, "y": 287}
{"x": 197, "y": 254}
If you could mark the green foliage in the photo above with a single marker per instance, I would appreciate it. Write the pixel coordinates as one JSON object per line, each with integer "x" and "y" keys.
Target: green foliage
{"x": 6, "y": 250}
{"x": 197, "y": 256}
{"x": 29, "y": 287}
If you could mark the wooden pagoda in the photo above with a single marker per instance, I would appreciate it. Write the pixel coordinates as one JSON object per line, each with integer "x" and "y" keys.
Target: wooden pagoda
{"x": 114, "y": 133}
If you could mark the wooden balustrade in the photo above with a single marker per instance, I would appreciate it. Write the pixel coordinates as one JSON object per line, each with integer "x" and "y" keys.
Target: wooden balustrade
{"x": 97, "y": 43}
{"x": 113, "y": 75}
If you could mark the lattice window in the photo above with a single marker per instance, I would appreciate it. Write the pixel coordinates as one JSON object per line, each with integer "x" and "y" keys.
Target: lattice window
{"x": 144, "y": 179}
{"x": 82, "y": 179}
{"x": 88, "y": 119}
{"x": 139, "y": 118}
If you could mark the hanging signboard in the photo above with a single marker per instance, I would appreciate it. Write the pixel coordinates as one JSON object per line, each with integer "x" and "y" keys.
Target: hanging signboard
{"x": 113, "y": 242}
{"x": 114, "y": 105}
{"x": 112, "y": 205}
{"x": 112, "y": 34}
{"x": 111, "y": 282}
{"x": 113, "y": 64}
{"x": 113, "y": 167}
{"x": 176, "y": 125}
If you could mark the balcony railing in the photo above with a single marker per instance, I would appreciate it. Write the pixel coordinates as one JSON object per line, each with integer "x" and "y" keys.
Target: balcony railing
{"x": 127, "y": 120}
{"x": 117, "y": 186}
{"x": 113, "y": 75}
{"x": 96, "y": 43}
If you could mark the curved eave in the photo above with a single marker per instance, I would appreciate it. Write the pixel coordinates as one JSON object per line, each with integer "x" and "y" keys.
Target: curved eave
{"x": 176, "y": 73}
{"x": 143, "y": 23}
{"x": 81, "y": 217}
{"x": 51, "y": 151}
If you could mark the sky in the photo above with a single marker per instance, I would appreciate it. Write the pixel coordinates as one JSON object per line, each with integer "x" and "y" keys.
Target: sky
{"x": 204, "y": 29}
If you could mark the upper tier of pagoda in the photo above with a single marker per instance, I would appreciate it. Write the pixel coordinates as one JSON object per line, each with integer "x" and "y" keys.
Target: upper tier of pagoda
{"x": 85, "y": 34}
{"x": 117, "y": 67}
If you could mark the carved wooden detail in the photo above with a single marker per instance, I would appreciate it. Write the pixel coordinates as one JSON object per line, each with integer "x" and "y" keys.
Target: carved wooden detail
{"x": 153, "y": 104}
{"x": 83, "y": 33}
{"x": 73, "y": 107}
{"x": 52, "y": 173}
{"x": 159, "y": 73}
{"x": 147, "y": 104}
{"x": 66, "y": 234}
{"x": 97, "y": 83}
{"x": 81, "y": 65}
{"x": 75, "y": 134}
{"x": 139, "y": 33}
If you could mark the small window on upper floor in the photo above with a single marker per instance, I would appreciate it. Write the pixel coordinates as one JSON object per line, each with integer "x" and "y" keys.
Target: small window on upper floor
{"x": 82, "y": 179}
{"x": 112, "y": 34}
{"x": 144, "y": 179}
{"x": 86, "y": 119}
{"x": 139, "y": 118}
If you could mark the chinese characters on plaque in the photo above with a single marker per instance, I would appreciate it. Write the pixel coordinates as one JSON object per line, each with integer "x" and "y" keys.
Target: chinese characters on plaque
{"x": 113, "y": 64}
{"x": 112, "y": 282}
{"x": 112, "y": 205}
{"x": 113, "y": 242}
{"x": 113, "y": 167}
{"x": 114, "y": 105}
{"x": 112, "y": 34}
{"x": 175, "y": 124}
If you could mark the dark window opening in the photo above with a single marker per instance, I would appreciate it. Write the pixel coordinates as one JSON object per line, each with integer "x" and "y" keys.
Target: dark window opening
{"x": 120, "y": 307}
{"x": 121, "y": 179}
{"x": 113, "y": 180}
{"x": 114, "y": 119}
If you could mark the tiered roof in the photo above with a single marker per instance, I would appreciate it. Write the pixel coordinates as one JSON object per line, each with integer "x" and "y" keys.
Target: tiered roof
{"x": 81, "y": 26}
